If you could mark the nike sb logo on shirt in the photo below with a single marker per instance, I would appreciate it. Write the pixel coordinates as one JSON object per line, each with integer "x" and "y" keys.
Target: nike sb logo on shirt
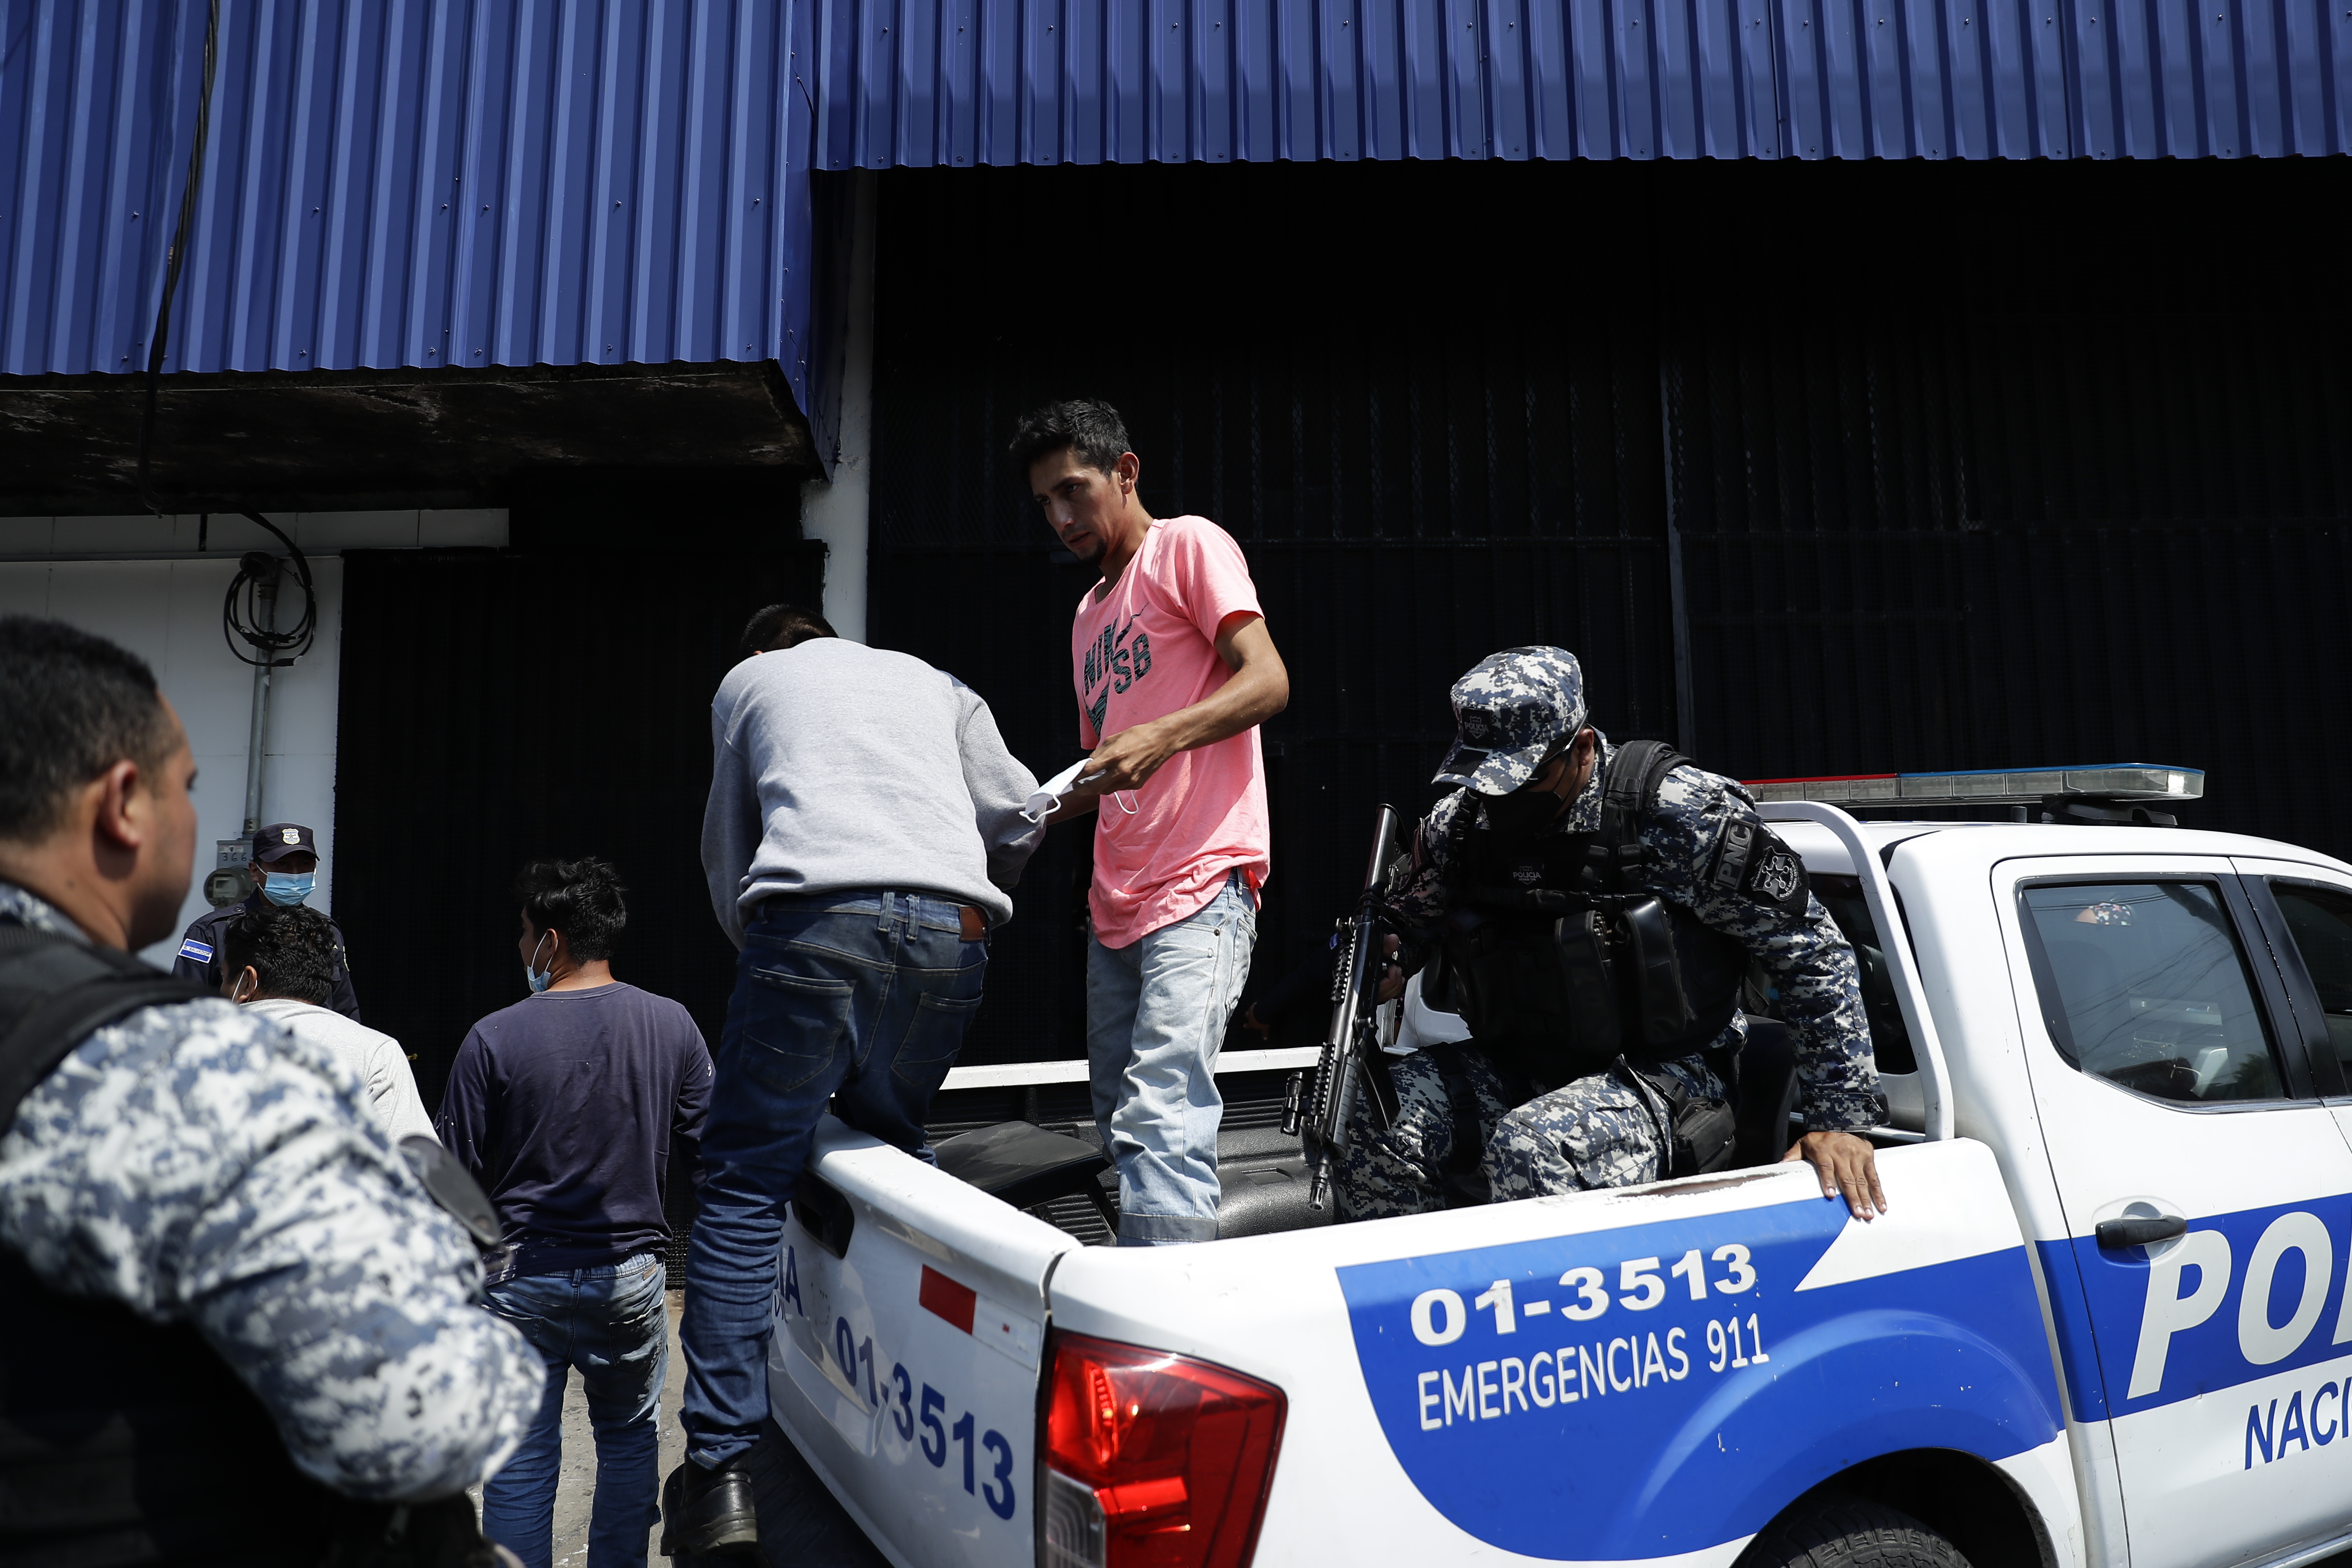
{"x": 1112, "y": 659}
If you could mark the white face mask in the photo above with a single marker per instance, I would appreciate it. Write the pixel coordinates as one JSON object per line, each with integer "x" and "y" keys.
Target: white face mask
{"x": 536, "y": 979}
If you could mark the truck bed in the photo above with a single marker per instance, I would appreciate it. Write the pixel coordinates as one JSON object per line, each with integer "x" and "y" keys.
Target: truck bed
{"x": 1263, "y": 1172}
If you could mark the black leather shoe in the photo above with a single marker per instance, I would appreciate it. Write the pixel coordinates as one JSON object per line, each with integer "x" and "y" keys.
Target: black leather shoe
{"x": 710, "y": 1512}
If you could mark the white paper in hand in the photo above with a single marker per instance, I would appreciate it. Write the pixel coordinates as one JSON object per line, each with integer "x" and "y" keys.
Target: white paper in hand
{"x": 1048, "y": 796}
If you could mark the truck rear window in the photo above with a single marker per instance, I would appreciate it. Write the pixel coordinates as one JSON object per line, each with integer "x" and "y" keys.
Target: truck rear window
{"x": 2145, "y": 984}
{"x": 2320, "y": 920}
{"x": 1890, "y": 1042}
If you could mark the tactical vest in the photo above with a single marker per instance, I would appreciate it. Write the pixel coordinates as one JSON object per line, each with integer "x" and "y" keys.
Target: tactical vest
{"x": 1560, "y": 964}
{"x": 121, "y": 1441}
{"x": 125, "y": 1442}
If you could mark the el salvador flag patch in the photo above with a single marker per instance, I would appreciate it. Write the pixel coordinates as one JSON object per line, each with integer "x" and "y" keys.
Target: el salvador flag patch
{"x": 191, "y": 948}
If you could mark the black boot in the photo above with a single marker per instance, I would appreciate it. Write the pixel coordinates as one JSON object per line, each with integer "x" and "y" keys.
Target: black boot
{"x": 710, "y": 1512}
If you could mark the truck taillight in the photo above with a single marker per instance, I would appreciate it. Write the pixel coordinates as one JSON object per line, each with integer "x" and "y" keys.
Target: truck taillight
{"x": 1153, "y": 1460}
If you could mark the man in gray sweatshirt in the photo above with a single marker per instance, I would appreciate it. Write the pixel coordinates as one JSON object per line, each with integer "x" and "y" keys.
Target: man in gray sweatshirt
{"x": 863, "y": 832}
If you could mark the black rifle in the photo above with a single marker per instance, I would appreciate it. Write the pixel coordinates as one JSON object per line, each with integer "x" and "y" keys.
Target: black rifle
{"x": 1352, "y": 1045}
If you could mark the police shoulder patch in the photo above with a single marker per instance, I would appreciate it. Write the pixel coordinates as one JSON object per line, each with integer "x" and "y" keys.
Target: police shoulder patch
{"x": 1776, "y": 874}
{"x": 1752, "y": 863}
{"x": 191, "y": 948}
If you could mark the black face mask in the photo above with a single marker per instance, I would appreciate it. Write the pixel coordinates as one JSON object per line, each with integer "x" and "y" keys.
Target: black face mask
{"x": 1522, "y": 815}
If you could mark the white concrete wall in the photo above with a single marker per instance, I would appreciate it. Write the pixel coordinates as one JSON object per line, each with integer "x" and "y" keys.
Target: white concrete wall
{"x": 167, "y": 610}
{"x": 838, "y": 509}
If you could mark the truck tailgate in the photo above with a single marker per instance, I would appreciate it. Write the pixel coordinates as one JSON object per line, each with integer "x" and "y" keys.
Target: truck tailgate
{"x": 910, "y": 1313}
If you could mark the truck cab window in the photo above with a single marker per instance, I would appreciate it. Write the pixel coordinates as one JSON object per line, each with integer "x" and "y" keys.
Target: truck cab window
{"x": 1890, "y": 1040}
{"x": 2320, "y": 922}
{"x": 2145, "y": 984}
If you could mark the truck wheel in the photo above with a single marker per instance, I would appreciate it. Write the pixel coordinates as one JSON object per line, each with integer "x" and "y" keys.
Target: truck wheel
{"x": 1850, "y": 1533}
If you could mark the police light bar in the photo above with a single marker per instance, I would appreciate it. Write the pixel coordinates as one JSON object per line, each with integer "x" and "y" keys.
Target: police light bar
{"x": 1991, "y": 787}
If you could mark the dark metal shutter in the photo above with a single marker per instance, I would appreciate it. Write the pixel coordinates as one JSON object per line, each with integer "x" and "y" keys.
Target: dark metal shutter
{"x": 1413, "y": 489}
{"x": 1974, "y": 465}
{"x": 497, "y": 708}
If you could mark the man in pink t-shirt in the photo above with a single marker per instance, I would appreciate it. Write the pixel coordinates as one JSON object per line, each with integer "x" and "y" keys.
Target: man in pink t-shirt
{"x": 1174, "y": 672}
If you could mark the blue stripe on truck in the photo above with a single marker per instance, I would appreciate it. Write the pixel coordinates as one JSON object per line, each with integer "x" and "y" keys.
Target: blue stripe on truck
{"x": 1662, "y": 1388}
{"x": 2139, "y": 1331}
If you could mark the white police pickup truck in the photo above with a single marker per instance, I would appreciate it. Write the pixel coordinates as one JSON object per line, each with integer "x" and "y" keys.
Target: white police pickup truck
{"x": 2104, "y": 1320}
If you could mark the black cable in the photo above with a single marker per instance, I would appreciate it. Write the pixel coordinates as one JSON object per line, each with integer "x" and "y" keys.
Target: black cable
{"x": 277, "y": 648}
{"x": 159, "y": 339}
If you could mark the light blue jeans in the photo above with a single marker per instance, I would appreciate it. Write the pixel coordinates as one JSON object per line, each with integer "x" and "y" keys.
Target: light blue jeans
{"x": 1156, "y": 1014}
{"x": 612, "y": 1323}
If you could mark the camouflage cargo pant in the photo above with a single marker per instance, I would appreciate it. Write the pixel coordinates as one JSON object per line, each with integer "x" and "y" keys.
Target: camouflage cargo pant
{"x": 1593, "y": 1132}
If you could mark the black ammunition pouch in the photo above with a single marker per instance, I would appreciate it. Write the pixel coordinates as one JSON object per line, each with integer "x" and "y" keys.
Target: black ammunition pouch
{"x": 1555, "y": 995}
{"x": 1697, "y": 1135}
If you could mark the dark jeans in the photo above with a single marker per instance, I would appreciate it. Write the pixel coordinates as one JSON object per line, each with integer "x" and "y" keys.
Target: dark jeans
{"x": 862, "y": 995}
{"x": 612, "y": 1323}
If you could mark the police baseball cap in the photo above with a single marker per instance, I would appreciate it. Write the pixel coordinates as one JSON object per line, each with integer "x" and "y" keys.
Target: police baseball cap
{"x": 1510, "y": 712}
{"x": 280, "y": 839}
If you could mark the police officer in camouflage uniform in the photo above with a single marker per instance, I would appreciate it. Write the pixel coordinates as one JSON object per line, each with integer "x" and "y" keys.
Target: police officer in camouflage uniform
{"x": 1521, "y": 841}
{"x": 227, "y": 1306}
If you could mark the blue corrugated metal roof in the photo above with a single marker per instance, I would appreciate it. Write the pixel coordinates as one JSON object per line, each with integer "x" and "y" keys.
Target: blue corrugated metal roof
{"x": 467, "y": 181}
{"x": 417, "y": 182}
{"x": 947, "y": 82}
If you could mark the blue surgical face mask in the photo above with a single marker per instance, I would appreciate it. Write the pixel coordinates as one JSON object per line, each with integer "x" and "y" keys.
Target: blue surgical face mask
{"x": 538, "y": 980}
{"x": 288, "y": 889}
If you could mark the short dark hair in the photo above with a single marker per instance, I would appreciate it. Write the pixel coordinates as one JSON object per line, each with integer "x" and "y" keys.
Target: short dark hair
{"x": 291, "y": 950}
{"x": 783, "y": 625}
{"x": 72, "y": 706}
{"x": 582, "y": 899}
{"x": 1089, "y": 425}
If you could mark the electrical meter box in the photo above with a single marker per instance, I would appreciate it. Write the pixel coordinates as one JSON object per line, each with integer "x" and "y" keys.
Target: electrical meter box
{"x": 229, "y": 881}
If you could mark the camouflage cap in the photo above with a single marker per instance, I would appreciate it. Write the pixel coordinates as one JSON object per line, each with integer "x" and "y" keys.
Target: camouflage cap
{"x": 1508, "y": 713}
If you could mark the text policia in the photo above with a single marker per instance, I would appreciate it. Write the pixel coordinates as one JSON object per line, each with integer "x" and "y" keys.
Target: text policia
{"x": 1581, "y": 1369}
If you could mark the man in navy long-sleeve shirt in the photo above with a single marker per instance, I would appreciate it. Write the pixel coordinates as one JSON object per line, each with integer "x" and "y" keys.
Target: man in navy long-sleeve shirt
{"x": 574, "y": 1109}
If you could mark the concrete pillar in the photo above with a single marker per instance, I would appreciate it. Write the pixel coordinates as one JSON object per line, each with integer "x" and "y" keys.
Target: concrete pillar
{"x": 838, "y": 511}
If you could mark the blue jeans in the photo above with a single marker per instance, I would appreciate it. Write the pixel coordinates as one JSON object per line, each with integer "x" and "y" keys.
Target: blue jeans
{"x": 609, "y": 1322}
{"x": 1156, "y": 1015}
{"x": 860, "y": 998}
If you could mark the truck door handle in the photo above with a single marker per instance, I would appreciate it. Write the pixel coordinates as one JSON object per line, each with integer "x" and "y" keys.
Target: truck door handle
{"x": 2140, "y": 1232}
